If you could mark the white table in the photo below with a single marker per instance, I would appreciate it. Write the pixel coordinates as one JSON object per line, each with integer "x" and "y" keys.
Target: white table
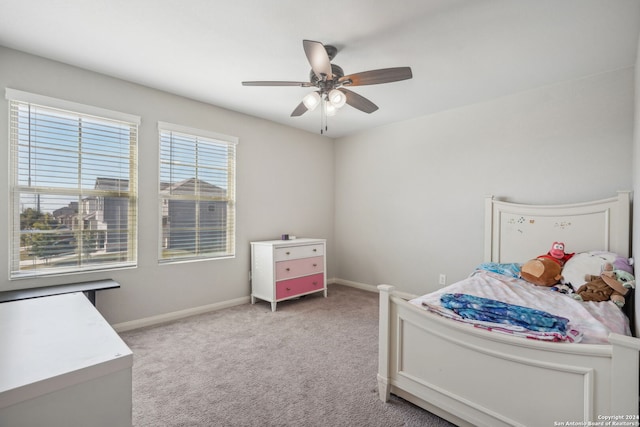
{"x": 61, "y": 364}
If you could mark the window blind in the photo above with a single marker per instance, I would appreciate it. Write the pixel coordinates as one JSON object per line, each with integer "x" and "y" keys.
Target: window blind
{"x": 196, "y": 194}
{"x": 73, "y": 187}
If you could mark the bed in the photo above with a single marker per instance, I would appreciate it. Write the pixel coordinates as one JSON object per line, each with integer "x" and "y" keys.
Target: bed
{"x": 473, "y": 376}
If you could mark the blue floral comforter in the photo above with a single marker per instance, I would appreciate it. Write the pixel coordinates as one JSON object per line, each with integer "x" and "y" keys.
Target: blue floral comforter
{"x": 489, "y": 310}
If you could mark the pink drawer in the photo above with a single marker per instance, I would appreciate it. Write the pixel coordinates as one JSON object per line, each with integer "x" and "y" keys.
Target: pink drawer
{"x": 300, "y": 285}
{"x": 299, "y": 267}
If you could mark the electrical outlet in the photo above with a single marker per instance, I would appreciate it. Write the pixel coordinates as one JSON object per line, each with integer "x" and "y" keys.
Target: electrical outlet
{"x": 443, "y": 279}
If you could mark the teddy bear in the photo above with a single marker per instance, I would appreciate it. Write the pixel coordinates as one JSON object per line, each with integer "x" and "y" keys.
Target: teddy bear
{"x": 545, "y": 270}
{"x": 610, "y": 285}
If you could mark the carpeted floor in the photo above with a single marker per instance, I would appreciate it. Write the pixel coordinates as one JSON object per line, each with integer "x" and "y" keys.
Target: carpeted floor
{"x": 311, "y": 363}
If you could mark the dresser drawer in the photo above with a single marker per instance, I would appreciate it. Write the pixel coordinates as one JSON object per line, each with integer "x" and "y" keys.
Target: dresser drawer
{"x": 300, "y": 285}
{"x": 299, "y": 267}
{"x": 294, "y": 252}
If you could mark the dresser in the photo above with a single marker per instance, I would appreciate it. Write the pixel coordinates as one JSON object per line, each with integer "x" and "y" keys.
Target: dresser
{"x": 286, "y": 269}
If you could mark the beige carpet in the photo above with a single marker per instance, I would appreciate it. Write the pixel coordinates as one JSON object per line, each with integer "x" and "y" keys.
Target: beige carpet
{"x": 311, "y": 363}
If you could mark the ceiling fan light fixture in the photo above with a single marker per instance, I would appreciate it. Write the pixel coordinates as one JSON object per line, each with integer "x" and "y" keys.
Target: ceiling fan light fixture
{"x": 337, "y": 98}
{"x": 330, "y": 109}
{"x": 311, "y": 100}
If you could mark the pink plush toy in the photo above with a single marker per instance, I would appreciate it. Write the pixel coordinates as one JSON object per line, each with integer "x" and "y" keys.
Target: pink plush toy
{"x": 557, "y": 252}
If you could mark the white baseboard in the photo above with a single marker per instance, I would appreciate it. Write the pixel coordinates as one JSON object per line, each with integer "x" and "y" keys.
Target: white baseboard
{"x": 175, "y": 315}
{"x": 370, "y": 288}
{"x": 351, "y": 283}
{"x": 181, "y": 314}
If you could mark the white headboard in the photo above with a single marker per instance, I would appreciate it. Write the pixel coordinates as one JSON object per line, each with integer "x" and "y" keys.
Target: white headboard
{"x": 518, "y": 232}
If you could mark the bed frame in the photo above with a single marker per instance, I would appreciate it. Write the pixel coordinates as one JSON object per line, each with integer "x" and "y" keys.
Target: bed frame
{"x": 471, "y": 376}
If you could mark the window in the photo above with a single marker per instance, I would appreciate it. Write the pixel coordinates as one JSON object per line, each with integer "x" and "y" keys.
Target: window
{"x": 197, "y": 194}
{"x": 73, "y": 186}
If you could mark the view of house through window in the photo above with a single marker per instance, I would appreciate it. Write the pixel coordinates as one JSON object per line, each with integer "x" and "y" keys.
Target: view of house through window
{"x": 196, "y": 194}
{"x": 73, "y": 191}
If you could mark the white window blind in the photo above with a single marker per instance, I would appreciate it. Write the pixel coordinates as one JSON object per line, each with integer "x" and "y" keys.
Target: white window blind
{"x": 73, "y": 186}
{"x": 197, "y": 194}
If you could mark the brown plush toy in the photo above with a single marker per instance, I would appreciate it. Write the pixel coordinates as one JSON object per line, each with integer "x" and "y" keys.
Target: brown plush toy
{"x": 545, "y": 270}
{"x": 541, "y": 271}
{"x": 602, "y": 288}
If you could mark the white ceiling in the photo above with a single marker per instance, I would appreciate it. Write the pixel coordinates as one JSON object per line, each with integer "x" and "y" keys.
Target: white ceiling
{"x": 461, "y": 51}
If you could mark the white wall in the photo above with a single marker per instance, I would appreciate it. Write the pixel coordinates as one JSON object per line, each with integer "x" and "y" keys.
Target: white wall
{"x": 409, "y": 196}
{"x": 395, "y": 202}
{"x": 284, "y": 185}
{"x": 635, "y": 243}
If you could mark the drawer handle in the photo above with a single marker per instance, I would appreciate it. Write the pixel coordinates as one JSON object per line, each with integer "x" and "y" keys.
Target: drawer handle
{"x": 288, "y": 253}
{"x": 288, "y": 289}
{"x": 315, "y": 250}
{"x": 288, "y": 269}
{"x": 315, "y": 283}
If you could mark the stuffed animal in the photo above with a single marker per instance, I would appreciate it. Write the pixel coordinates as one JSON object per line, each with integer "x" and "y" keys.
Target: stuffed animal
{"x": 541, "y": 271}
{"x": 557, "y": 252}
{"x": 610, "y": 285}
{"x": 546, "y": 269}
{"x": 592, "y": 263}
{"x": 562, "y": 288}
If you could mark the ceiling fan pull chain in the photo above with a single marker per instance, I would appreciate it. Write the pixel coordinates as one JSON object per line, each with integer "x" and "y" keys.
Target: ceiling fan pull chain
{"x": 326, "y": 118}
{"x": 323, "y": 115}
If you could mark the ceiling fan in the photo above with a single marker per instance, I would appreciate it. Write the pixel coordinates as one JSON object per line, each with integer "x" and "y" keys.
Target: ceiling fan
{"x": 331, "y": 83}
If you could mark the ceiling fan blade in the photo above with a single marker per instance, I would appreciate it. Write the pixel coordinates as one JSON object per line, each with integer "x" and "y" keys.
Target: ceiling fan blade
{"x": 358, "y": 101}
{"x": 318, "y": 58}
{"x": 300, "y": 110}
{"x": 276, "y": 83}
{"x": 374, "y": 77}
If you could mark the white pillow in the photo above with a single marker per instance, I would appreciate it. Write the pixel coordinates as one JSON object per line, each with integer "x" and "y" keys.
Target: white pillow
{"x": 581, "y": 264}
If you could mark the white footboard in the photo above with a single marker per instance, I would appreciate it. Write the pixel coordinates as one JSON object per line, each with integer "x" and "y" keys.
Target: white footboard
{"x": 475, "y": 377}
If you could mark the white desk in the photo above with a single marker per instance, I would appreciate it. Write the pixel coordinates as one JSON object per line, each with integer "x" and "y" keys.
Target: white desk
{"x": 61, "y": 364}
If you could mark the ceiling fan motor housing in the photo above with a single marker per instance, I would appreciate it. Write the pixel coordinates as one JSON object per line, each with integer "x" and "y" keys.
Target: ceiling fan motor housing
{"x": 332, "y": 51}
{"x": 336, "y": 70}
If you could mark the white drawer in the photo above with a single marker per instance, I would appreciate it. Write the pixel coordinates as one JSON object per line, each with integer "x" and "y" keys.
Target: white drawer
{"x": 302, "y": 251}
